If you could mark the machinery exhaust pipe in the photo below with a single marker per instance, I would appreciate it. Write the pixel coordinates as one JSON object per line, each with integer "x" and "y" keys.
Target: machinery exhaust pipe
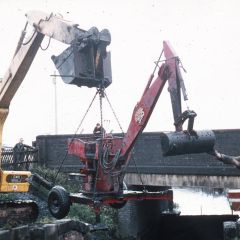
{"x": 184, "y": 142}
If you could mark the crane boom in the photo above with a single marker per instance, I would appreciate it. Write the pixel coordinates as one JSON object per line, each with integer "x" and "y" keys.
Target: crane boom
{"x": 143, "y": 110}
{"x": 106, "y": 159}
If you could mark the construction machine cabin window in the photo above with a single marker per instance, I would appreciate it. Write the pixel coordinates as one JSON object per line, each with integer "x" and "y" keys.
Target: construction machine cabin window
{"x": 17, "y": 178}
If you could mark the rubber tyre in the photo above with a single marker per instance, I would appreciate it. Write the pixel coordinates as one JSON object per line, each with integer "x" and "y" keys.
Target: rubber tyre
{"x": 58, "y": 202}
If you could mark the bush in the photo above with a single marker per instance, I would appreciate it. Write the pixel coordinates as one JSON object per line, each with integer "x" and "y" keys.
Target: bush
{"x": 80, "y": 211}
{"x": 56, "y": 178}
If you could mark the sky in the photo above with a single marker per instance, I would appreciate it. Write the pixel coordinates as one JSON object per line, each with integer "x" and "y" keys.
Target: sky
{"x": 205, "y": 35}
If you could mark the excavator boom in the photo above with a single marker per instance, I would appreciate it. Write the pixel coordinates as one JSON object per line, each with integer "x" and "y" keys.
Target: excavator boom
{"x": 91, "y": 43}
{"x": 55, "y": 27}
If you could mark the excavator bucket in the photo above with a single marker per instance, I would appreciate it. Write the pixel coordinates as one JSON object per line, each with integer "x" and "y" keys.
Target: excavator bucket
{"x": 86, "y": 62}
{"x": 79, "y": 67}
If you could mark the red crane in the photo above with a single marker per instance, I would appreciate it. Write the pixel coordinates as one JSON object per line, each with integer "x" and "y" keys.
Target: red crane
{"x": 106, "y": 158}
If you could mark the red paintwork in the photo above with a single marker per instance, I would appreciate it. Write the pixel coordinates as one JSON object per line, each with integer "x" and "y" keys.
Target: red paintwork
{"x": 235, "y": 206}
{"x": 168, "y": 196}
{"x": 234, "y": 199}
{"x": 124, "y": 197}
{"x": 83, "y": 149}
{"x": 234, "y": 194}
{"x": 109, "y": 174}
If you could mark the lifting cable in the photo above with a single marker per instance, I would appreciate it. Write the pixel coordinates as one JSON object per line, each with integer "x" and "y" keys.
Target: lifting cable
{"x": 107, "y": 165}
{"x": 156, "y": 63}
{"x": 102, "y": 94}
{"x": 114, "y": 113}
{"x": 138, "y": 172}
{"x": 80, "y": 124}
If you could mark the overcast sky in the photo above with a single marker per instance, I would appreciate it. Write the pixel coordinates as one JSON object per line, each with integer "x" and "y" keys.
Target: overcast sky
{"x": 205, "y": 35}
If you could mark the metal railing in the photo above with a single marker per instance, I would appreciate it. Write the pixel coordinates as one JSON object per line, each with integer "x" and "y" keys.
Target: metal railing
{"x": 12, "y": 160}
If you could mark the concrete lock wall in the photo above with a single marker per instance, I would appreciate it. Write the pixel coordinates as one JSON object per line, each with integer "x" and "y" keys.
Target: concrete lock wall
{"x": 136, "y": 218}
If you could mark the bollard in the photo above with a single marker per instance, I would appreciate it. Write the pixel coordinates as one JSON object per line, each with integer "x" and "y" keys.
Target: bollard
{"x": 5, "y": 234}
{"x": 230, "y": 231}
{"x": 37, "y": 233}
{"x": 21, "y": 233}
{"x": 64, "y": 226}
{"x": 50, "y": 231}
{"x": 238, "y": 228}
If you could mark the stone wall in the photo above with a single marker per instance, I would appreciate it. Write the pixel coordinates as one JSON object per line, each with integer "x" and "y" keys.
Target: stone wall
{"x": 59, "y": 230}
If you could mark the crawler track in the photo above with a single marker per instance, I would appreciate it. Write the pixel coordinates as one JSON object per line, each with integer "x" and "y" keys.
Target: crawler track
{"x": 18, "y": 212}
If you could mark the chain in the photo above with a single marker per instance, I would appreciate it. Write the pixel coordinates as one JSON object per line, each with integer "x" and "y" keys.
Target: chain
{"x": 101, "y": 95}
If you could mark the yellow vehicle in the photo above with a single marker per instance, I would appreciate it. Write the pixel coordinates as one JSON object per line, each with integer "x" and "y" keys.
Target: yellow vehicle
{"x": 57, "y": 28}
{"x": 14, "y": 181}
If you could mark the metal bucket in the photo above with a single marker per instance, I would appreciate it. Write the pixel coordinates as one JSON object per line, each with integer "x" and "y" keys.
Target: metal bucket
{"x": 177, "y": 143}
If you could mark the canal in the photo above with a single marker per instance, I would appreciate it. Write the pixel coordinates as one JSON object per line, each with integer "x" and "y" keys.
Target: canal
{"x": 202, "y": 214}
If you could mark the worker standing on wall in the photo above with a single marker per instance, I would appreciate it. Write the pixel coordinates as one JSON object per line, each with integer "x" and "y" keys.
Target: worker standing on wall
{"x": 98, "y": 130}
{"x": 18, "y": 153}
